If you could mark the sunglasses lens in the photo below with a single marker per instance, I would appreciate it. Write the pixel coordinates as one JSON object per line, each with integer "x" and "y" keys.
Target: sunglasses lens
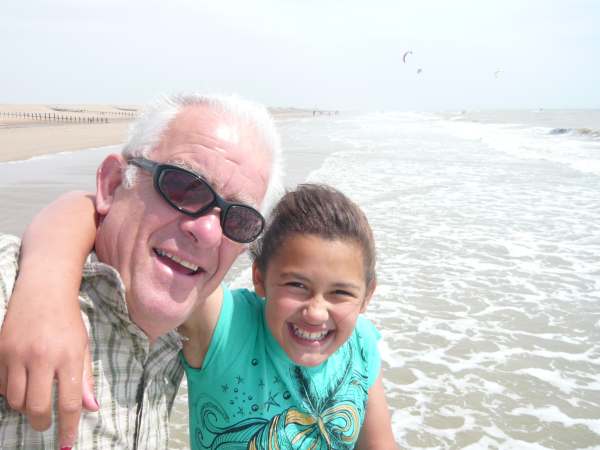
{"x": 184, "y": 190}
{"x": 242, "y": 224}
{"x": 192, "y": 195}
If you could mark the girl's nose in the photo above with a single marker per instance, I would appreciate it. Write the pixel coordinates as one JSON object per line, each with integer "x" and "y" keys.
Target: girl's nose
{"x": 316, "y": 311}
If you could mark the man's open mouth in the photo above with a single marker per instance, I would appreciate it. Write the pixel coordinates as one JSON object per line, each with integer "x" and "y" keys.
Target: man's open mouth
{"x": 176, "y": 263}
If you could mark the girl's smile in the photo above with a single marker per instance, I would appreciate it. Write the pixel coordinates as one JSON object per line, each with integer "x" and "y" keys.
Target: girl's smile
{"x": 315, "y": 290}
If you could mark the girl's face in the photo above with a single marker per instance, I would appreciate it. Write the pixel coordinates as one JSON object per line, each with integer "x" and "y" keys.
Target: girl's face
{"x": 315, "y": 290}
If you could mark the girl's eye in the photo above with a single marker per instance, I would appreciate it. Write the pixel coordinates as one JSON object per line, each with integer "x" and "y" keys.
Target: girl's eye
{"x": 295, "y": 284}
{"x": 344, "y": 293}
{"x": 340, "y": 295}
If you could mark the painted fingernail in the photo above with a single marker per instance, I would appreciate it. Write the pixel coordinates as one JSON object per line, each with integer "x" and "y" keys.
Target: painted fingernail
{"x": 66, "y": 448}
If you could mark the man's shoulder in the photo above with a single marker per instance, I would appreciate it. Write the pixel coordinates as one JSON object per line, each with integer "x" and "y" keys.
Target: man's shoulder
{"x": 96, "y": 271}
{"x": 102, "y": 286}
{"x": 10, "y": 247}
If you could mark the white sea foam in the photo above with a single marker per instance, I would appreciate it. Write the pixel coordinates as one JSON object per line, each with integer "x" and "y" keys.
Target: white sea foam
{"x": 554, "y": 414}
{"x": 535, "y": 143}
{"x": 488, "y": 275}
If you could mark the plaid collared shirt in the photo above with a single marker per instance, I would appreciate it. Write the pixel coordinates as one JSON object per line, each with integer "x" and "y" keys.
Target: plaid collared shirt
{"x": 134, "y": 384}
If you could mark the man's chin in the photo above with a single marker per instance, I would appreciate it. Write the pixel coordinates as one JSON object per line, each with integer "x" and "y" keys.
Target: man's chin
{"x": 178, "y": 282}
{"x": 160, "y": 317}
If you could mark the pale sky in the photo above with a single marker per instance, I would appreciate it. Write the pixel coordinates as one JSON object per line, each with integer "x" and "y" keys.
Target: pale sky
{"x": 342, "y": 54}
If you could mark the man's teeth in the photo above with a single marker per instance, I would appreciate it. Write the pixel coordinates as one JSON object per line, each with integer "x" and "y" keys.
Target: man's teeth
{"x": 309, "y": 336}
{"x": 178, "y": 260}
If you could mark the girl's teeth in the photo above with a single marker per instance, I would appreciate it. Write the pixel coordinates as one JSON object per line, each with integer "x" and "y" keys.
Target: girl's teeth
{"x": 307, "y": 335}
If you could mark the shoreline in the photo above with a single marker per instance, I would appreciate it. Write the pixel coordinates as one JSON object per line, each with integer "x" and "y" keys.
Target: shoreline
{"x": 576, "y": 119}
{"x": 28, "y": 131}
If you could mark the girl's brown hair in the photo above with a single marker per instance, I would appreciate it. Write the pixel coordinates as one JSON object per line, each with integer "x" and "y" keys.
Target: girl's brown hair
{"x": 319, "y": 210}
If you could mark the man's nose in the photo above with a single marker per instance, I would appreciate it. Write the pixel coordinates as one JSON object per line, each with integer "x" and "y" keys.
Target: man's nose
{"x": 205, "y": 230}
{"x": 316, "y": 312}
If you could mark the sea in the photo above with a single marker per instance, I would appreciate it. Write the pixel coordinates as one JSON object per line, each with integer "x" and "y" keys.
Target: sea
{"x": 487, "y": 226}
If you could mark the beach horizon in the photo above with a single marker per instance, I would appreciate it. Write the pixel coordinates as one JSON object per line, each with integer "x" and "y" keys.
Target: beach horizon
{"x": 31, "y": 130}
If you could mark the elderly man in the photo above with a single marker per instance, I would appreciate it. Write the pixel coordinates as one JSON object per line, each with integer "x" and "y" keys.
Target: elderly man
{"x": 164, "y": 243}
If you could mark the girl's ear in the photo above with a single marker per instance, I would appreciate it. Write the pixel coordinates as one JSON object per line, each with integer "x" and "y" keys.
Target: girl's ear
{"x": 258, "y": 280}
{"x": 368, "y": 295}
{"x": 108, "y": 179}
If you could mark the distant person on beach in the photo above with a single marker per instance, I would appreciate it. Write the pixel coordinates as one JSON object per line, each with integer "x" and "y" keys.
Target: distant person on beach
{"x": 160, "y": 251}
{"x": 301, "y": 369}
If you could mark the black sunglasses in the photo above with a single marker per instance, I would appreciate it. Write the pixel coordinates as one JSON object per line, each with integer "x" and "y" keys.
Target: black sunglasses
{"x": 188, "y": 193}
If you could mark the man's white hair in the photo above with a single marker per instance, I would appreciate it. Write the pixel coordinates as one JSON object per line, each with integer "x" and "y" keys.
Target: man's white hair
{"x": 147, "y": 131}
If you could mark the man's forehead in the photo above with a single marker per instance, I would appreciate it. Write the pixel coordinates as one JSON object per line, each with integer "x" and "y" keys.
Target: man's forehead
{"x": 222, "y": 126}
{"x": 227, "y": 132}
{"x": 218, "y": 131}
{"x": 226, "y": 151}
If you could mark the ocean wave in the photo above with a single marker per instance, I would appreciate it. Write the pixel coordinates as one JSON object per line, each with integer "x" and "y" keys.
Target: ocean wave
{"x": 580, "y": 132}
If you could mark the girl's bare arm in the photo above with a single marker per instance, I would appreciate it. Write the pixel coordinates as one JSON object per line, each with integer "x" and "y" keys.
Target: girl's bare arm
{"x": 376, "y": 432}
{"x": 199, "y": 328}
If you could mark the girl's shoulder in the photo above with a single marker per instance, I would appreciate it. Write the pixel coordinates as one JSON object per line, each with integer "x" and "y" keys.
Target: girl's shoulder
{"x": 245, "y": 301}
{"x": 238, "y": 325}
{"x": 365, "y": 341}
{"x": 366, "y": 331}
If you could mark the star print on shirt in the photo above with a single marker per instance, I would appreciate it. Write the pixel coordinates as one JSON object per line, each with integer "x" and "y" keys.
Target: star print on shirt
{"x": 271, "y": 401}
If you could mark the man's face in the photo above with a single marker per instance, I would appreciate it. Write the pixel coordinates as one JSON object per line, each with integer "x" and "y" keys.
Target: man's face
{"x": 153, "y": 246}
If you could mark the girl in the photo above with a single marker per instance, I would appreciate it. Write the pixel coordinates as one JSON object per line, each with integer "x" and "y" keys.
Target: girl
{"x": 293, "y": 364}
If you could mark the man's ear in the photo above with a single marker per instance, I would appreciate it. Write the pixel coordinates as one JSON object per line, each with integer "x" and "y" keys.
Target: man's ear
{"x": 108, "y": 179}
{"x": 368, "y": 295}
{"x": 258, "y": 280}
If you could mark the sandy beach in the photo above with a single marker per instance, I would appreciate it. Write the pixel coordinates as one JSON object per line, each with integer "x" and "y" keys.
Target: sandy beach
{"x": 40, "y": 157}
{"x": 33, "y": 130}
